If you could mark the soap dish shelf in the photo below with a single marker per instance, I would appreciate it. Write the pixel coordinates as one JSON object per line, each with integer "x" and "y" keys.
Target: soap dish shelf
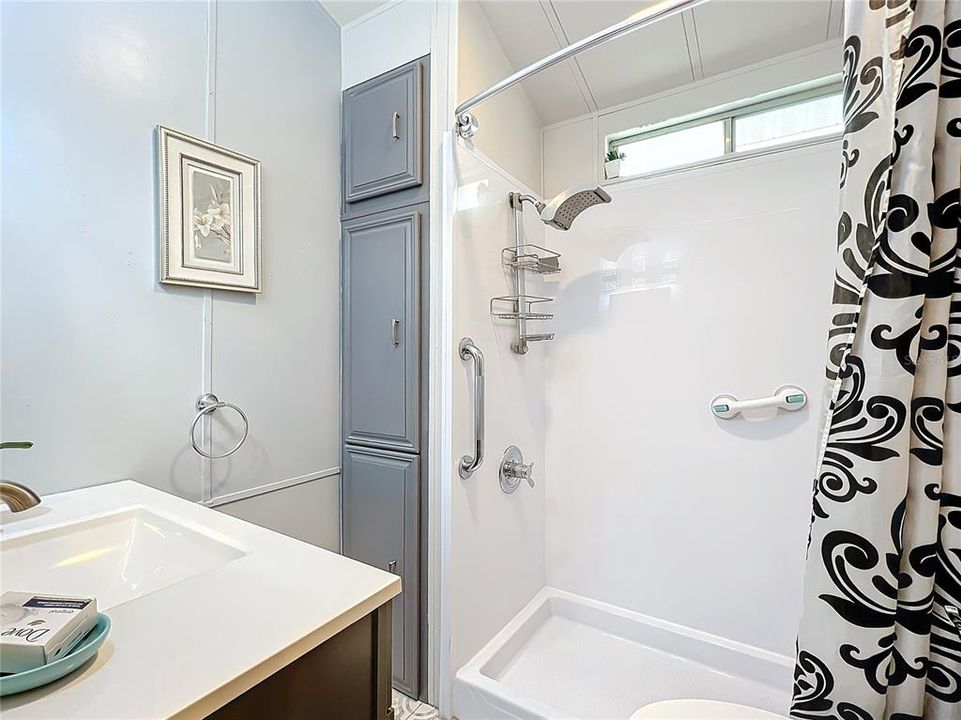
{"x": 532, "y": 258}
{"x": 519, "y": 307}
{"x": 537, "y": 337}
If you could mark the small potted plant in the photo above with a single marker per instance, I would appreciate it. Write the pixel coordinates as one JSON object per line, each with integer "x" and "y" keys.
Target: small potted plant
{"x": 612, "y": 164}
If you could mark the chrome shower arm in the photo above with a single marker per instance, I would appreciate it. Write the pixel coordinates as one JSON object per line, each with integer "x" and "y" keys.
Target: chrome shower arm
{"x": 517, "y": 201}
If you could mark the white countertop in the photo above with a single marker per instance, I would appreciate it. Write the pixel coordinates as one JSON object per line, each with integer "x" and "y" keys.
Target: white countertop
{"x": 189, "y": 648}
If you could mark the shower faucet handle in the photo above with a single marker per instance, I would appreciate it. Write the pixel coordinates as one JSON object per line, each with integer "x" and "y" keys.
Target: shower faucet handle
{"x": 526, "y": 472}
{"x": 520, "y": 471}
{"x": 513, "y": 470}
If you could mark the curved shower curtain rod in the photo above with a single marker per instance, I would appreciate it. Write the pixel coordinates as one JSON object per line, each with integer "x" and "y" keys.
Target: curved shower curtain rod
{"x": 466, "y": 124}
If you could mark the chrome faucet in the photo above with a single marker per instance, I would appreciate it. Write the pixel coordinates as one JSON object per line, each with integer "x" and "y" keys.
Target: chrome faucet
{"x": 17, "y": 497}
{"x": 513, "y": 470}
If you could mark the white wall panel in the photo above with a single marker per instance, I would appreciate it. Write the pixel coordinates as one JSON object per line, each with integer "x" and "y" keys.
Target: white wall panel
{"x": 701, "y": 283}
{"x": 510, "y": 126}
{"x": 101, "y": 365}
{"x": 570, "y": 155}
{"x": 293, "y": 511}
{"x": 277, "y": 354}
{"x": 497, "y": 540}
{"x": 381, "y": 41}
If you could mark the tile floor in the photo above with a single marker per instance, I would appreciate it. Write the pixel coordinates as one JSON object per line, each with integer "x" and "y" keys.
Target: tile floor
{"x": 406, "y": 708}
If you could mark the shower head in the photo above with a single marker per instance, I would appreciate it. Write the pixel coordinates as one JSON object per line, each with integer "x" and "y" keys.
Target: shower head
{"x": 560, "y": 212}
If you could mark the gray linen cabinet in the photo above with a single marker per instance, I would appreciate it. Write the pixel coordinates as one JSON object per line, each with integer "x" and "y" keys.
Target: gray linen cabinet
{"x": 384, "y": 231}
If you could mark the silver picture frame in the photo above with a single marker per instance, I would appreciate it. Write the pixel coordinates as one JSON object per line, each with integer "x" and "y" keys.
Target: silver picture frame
{"x": 209, "y": 214}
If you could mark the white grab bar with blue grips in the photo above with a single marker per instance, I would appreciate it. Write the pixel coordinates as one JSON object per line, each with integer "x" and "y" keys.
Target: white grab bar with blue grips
{"x": 786, "y": 397}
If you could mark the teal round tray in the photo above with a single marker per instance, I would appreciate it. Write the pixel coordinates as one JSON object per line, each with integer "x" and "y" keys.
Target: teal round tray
{"x": 85, "y": 649}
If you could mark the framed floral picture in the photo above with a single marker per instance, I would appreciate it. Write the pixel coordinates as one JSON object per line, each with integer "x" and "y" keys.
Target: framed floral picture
{"x": 209, "y": 214}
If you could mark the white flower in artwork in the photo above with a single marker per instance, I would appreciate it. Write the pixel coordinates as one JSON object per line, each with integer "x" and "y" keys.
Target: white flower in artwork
{"x": 214, "y": 222}
{"x": 203, "y": 224}
{"x": 219, "y": 214}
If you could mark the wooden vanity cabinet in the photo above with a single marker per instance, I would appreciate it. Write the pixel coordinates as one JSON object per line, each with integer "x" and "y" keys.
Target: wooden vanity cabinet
{"x": 348, "y": 677}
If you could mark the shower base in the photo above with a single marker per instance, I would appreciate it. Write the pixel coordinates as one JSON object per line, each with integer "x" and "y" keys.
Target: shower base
{"x": 566, "y": 656}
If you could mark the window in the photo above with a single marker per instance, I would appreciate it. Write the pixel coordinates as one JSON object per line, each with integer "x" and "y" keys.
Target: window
{"x": 788, "y": 124}
{"x": 679, "y": 147}
{"x": 753, "y": 126}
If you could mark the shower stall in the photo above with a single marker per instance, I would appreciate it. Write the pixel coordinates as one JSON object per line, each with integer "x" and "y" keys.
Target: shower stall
{"x": 657, "y": 552}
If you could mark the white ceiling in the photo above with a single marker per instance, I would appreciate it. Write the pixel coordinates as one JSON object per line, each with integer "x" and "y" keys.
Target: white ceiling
{"x": 713, "y": 38}
{"x": 345, "y": 11}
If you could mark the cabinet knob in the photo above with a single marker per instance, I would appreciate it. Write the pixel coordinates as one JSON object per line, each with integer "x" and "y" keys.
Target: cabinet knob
{"x": 392, "y": 566}
{"x": 395, "y": 331}
{"x": 395, "y": 125}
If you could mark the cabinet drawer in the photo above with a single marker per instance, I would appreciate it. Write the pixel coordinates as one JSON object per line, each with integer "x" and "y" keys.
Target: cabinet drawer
{"x": 383, "y": 131}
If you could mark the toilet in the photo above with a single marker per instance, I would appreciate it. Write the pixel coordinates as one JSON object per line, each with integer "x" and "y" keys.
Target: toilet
{"x": 702, "y": 710}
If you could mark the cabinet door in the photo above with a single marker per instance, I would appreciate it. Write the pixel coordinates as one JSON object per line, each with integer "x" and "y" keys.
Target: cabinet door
{"x": 382, "y": 133}
{"x": 381, "y": 528}
{"x": 382, "y": 329}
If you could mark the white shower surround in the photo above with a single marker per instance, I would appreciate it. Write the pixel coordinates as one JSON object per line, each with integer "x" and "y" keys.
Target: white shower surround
{"x": 567, "y": 656}
{"x": 659, "y": 515}
{"x": 497, "y": 552}
{"x": 703, "y": 282}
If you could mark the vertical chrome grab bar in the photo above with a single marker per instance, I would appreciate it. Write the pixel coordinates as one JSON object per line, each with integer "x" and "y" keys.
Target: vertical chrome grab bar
{"x": 469, "y": 351}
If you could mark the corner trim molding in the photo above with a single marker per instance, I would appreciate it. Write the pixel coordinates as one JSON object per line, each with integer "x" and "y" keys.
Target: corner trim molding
{"x": 270, "y": 487}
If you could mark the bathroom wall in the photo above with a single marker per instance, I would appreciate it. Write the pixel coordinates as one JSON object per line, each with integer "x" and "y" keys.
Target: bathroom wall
{"x": 308, "y": 511}
{"x": 393, "y": 34}
{"x": 510, "y": 123}
{"x": 707, "y": 281}
{"x": 497, "y": 540}
{"x": 699, "y": 283}
{"x": 101, "y": 365}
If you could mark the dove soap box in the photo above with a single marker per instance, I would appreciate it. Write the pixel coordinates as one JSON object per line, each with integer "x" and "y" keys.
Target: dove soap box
{"x": 38, "y": 629}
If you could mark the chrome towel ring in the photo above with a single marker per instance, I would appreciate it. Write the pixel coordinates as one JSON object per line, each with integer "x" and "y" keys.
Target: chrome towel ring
{"x": 206, "y": 404}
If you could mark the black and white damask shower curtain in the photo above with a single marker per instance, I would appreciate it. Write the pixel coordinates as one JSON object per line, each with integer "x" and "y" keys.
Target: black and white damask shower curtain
{"x": 878, "y": 639}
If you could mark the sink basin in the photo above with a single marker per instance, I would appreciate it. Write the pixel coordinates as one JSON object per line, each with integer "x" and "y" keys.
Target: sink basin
{"x": 114, "y": 558}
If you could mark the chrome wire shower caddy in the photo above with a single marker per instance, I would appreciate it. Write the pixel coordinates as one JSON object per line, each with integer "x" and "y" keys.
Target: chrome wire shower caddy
{"x": 521, "y": 259}
{"x": 524, "y": 258}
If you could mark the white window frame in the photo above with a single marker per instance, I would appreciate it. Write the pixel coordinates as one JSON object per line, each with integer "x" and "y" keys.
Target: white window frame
{"x": 781, "y": 98}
